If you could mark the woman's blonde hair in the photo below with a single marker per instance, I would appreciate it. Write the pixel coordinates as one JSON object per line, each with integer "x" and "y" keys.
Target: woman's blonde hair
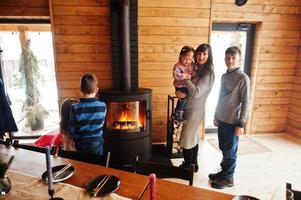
{"x": 65, "y": 113}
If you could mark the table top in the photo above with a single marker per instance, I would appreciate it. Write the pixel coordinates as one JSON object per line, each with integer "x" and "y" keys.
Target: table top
{"x": 34, "y": 164}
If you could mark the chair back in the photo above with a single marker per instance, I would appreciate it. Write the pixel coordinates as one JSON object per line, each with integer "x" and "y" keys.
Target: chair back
{"x": 165, "y": 171}
{"x": 6, "y": 142}
{"x": 86, "y": 157}
{"x": 296, "y": 193}
{"x": 32, "y": 148}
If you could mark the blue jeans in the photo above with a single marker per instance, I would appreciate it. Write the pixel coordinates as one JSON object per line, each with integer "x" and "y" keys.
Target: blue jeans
{"x": 228, "y": 144}
{"x": 181, "y": 101}
{"x": 89, "y": 145}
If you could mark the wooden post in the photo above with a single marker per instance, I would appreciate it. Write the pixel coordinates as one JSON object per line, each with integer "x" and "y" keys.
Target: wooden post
{"x": 23, "y": 35}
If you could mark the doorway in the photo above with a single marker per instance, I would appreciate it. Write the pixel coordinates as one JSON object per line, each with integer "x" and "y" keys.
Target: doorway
{"x": 223, "y": 36}
{"x": 22, "y": 43}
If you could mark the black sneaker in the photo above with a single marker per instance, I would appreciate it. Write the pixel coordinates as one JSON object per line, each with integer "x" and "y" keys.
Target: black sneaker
{"x": 222, "y": 183}
{"x": 216, "y": 176}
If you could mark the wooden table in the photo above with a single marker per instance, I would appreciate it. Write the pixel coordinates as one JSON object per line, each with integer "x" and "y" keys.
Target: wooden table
{"x": 33, "y": 163}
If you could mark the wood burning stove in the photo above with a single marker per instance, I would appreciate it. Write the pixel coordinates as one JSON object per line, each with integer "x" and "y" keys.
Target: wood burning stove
{"x": 127, "y": 131}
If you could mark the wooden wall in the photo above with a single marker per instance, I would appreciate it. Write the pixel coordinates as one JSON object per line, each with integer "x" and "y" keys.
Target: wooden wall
{"x": 165, "y": 26}
{"x": 82, "y": 43}
{"x": 294, "y": 114}
{"x": 24, "y": 8}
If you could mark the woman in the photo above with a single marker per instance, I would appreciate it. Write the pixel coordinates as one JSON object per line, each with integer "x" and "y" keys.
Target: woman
{"x": 199, "y": 88}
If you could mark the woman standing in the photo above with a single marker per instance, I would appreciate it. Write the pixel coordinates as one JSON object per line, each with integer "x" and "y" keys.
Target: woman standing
{"x": 199, "y": 88}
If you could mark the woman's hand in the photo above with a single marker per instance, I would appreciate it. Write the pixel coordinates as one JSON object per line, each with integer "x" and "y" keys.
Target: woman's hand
{"x": 180, "y": 94}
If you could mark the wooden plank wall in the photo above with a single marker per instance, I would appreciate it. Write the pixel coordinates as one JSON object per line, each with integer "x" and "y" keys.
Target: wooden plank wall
{"x": 294, "y": 114}
{"x": 82, "y": 43}
{"x": 165, "y": 26}
{"x": 28, "y": 8}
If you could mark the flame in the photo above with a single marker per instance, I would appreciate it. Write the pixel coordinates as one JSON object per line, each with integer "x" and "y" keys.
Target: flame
{"x": 124, "y": 117}
{"x": 130, "y": 122}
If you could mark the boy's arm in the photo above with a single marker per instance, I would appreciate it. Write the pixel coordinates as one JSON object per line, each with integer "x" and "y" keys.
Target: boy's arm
{"x": 201, "y": 87}
{"x": 245, "y": 101}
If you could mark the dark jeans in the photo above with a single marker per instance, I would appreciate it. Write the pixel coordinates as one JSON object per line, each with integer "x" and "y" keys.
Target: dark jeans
{"x": 89, "y": 145}
{"x": 228, "y": 144}
{"x": 181, "y": 101}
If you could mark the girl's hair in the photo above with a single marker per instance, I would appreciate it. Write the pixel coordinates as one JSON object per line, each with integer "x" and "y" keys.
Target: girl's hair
{"x": 88, "y": 83}
{"x": 65, "y": 113}
{"x": 185, "y": 50}
{"x": 208, "y": 66}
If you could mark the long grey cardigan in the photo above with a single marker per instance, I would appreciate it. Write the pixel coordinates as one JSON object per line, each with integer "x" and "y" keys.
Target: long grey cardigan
{"x": 199, "y": 88}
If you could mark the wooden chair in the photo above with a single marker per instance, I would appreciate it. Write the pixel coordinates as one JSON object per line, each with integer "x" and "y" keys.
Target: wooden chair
{"x": 165, "y": 171}
{"x": 31, "y": 147}
{"x": 86, "y": 157}
{"x": 297, "y": 194}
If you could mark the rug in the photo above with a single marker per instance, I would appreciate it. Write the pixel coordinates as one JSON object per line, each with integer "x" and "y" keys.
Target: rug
{"x": 246, "y": 146}
{"x": 160, "y": 154}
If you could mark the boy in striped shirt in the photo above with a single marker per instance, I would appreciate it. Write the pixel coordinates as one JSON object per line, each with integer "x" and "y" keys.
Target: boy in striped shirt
{"x": 87, "y": 118}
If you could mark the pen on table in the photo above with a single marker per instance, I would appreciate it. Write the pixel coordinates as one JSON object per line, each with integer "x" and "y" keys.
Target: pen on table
{"x": 49, "y": 170}
{"x": 143, "y": 190}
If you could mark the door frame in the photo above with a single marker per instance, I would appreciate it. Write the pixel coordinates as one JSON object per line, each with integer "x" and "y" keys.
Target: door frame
{"x": 250, "y": 30}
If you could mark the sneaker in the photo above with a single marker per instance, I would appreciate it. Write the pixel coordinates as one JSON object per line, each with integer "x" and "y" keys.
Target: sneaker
{"x": 214, "y": 177}
{"x": 222, "y": 183}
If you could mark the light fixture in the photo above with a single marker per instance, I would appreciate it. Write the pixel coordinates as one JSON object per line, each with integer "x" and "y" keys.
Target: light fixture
{"x": 240, "y": 2}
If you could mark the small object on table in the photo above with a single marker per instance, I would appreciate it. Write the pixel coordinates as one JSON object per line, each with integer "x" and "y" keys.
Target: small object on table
{"x": 103, "y": 185}
{"x": 49, "y": 172}
{"x": 143, "y": 190}
{"x": 152, "y": 183}
{"x": 244, "y": 197}
{"x": 59, "y": 173}
{"x": 152, "y": 179}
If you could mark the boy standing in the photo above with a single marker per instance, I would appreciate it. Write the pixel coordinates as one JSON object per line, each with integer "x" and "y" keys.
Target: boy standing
{"x": 230, "y": 116}
{"x": 87, "y": 118}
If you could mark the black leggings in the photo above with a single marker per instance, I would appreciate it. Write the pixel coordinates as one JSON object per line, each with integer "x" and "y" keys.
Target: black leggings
{"x": 191, "y": 155}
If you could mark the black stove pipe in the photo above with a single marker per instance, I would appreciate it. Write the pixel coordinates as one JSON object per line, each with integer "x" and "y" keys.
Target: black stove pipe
{"x": 124, "y": 38}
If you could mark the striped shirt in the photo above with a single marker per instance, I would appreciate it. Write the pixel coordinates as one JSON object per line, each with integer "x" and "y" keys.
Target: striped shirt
{"x": 87, "y": 118}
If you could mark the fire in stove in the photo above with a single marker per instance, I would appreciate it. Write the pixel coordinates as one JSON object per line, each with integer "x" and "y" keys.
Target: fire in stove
{"x": 124, "y": 117}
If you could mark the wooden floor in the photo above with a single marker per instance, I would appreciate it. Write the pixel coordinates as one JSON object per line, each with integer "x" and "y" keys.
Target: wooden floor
{"x": 262, "y": 175}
